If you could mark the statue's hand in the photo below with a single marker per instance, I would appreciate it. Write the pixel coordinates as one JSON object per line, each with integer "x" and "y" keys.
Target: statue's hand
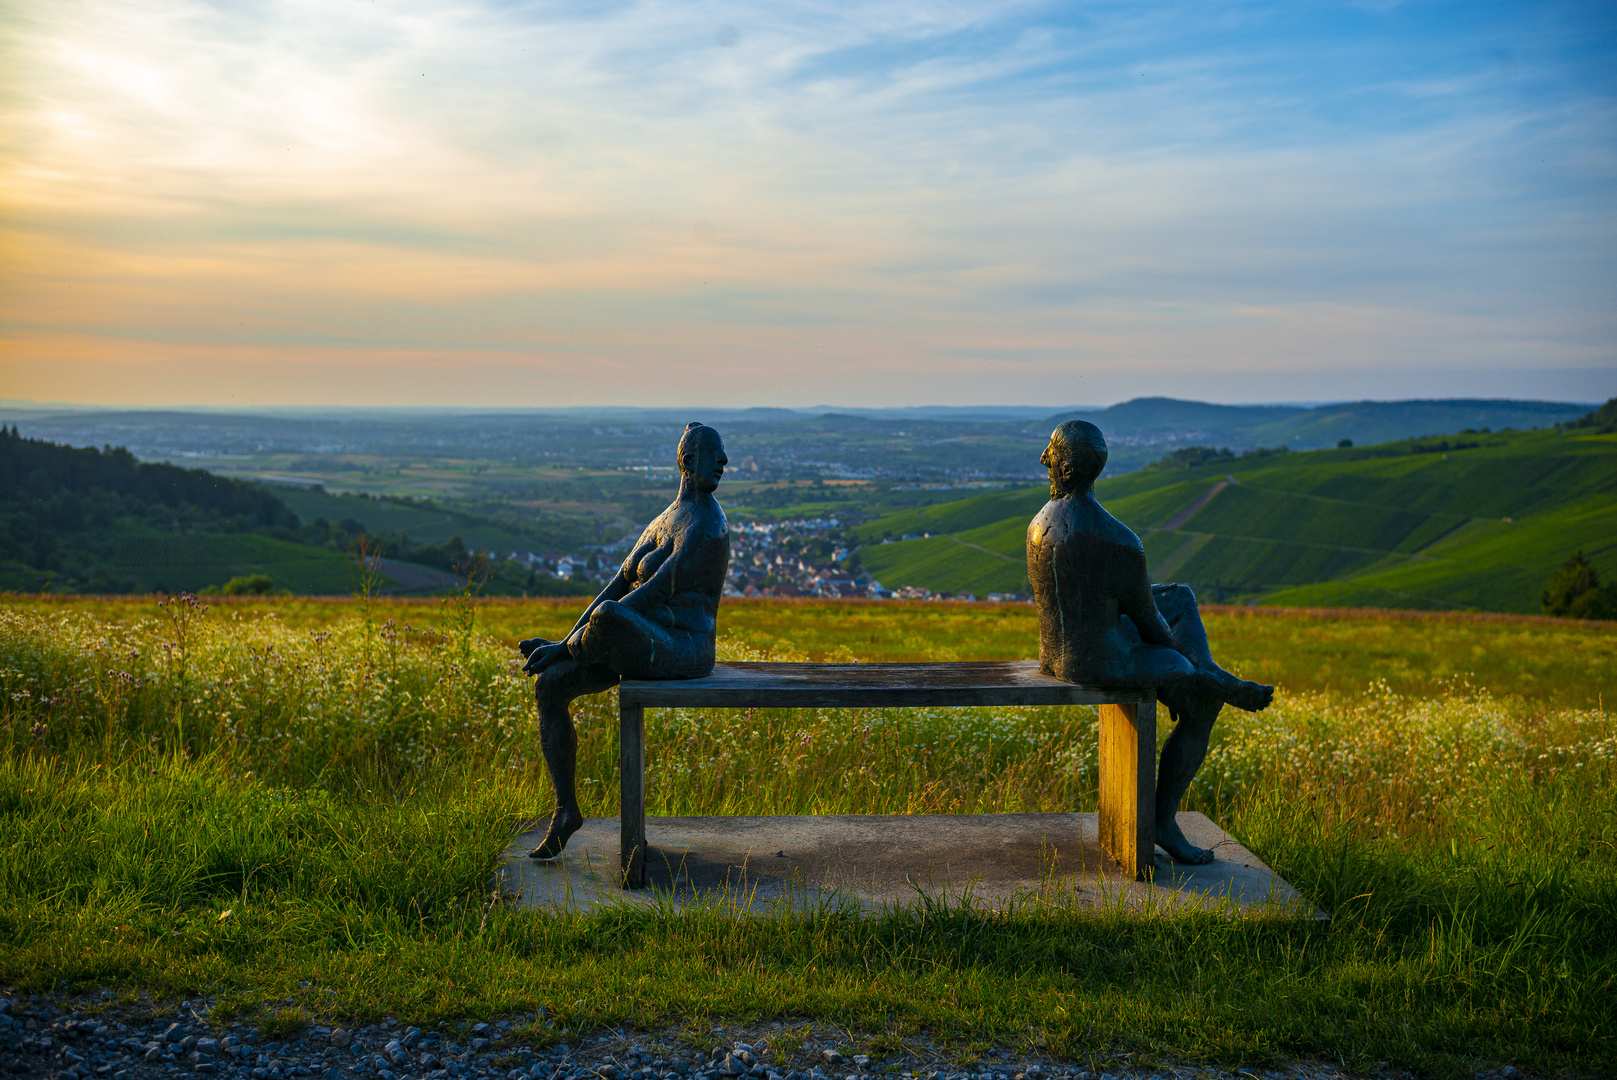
{"x": 526, "y": 646}
{"x": 551, "y": 652}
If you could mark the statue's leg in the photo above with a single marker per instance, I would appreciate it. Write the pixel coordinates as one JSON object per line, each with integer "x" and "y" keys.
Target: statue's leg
{"x": 1177, "y": 603}
{"x": 555, "y": 690}
{"x": 1195, "y": 710}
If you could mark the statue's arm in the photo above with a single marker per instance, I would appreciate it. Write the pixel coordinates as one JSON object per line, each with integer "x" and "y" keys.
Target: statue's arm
{"x": 615, "y": 590}
{"x": 658, "y": 589}
{"x": 1135, "y": 601}
{"x": 540, "y": 653}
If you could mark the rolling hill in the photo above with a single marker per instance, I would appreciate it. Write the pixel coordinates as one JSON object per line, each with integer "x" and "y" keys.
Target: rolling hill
{"x": 426, "y": 523}
{"x": 1160, "y": 420}
{"x": 1468, "y": 521}
{"x": 97, "y": 520}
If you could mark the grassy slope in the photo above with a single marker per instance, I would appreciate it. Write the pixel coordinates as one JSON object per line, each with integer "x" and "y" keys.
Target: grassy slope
{"x": 186, "y": 562}
{"x": 174, "y": 562}
{"x": 380, "y": 516}
{"x": 1363, "y": 527}
{"x": 347, "y": 805}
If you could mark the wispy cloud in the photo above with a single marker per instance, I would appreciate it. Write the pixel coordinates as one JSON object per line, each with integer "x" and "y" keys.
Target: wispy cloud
{"x": 916, "y": 202}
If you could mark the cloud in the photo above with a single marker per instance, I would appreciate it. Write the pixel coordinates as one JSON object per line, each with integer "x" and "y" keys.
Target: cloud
{"x": 890, "y": 192}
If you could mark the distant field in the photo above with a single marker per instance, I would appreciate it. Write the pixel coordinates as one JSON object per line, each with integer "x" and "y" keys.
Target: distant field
{"x": 1480, "y": 525}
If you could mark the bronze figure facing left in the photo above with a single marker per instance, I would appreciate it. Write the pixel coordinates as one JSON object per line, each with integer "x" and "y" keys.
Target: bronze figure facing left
{"x": 656, "y": 619}
{"x": 1102, "y": 622}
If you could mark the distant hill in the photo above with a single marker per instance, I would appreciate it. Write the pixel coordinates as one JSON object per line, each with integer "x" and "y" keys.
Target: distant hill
{"x": 1171, "y": 414}
{"x": 92, "y": 520}
{"x": 1162, "y": 420}
{"x": 1464, "y": 521}
{"x": 579, "y": 473}
{"x": 96, "y": 520}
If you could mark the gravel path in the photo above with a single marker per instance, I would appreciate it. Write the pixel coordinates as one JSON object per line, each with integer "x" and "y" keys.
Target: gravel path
{"x": 81, "y": 1039}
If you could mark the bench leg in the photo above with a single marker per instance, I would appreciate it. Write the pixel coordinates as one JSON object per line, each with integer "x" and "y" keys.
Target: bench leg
{"x": 632, "y": 795}
{"x": 1128, "y": 785}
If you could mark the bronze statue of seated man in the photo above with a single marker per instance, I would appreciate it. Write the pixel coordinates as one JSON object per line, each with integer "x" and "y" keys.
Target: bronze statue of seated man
{"x": 656, "y": 619}
{"x": 1102, "y": 622}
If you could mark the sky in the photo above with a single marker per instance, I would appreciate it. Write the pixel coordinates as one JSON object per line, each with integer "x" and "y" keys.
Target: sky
{"x": 796, "y": 203}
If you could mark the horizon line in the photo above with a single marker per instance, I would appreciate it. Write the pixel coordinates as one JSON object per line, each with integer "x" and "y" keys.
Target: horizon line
{"x": 818, "y": 410}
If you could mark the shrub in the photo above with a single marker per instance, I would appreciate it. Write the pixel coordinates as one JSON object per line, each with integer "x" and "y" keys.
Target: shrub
{"x": 249, "y": 585}
{"x": 1603, "y": 419}
{"x": 1575, "y": 592}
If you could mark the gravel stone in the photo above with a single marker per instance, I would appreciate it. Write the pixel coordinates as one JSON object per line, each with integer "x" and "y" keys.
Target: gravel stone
{"x": 127, "y": 1042}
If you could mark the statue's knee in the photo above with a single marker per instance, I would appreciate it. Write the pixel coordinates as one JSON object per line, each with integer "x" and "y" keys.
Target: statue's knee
{"x": 608, "y": 611}
{"x": 1177, "y": 592}
{"x": 549, "y": 689}
{"x": 1174, "y": 601}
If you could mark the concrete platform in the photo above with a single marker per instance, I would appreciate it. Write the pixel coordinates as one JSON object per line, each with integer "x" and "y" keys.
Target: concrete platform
{"x": 1000, "y": 860}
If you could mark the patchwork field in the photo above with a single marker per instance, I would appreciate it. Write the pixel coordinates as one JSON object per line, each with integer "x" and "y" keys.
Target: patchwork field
{"x": 341, "y": 777}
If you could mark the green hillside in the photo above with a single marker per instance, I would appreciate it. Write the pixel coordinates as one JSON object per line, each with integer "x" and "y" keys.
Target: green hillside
{"x": 97, "y": 520}
{"x": 428, "y": 524}
{"x": 1469, "y": 521}
{"x": 168, "y": 562}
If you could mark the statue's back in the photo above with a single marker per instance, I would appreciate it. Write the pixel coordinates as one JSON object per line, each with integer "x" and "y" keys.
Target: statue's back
{"x": 1076, "y": 552}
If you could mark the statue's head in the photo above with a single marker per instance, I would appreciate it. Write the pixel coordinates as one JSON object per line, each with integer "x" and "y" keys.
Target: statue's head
{"x": 1075, "y": 457}
{"x": 701, "y": 457}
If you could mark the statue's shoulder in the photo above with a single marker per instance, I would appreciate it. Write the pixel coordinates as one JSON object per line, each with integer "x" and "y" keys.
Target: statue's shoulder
{"x": 1058, "y": 515}
{"x": 1067, "y": 518}
{"x": 1115, "y": 531}
{"x": 701, "y": 519}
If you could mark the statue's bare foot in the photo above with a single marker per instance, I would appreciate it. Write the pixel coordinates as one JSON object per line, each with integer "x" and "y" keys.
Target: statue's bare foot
{"x": 1251, "y": 696}
{"x": 1172, "y": 840}
{"x": 563, "y": 824}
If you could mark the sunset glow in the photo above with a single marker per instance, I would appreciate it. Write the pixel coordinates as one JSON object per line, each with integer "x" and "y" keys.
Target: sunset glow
{"x": 549, "y": 204}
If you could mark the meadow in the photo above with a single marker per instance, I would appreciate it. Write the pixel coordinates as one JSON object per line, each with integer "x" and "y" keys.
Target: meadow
{"x": 303, "y": 800}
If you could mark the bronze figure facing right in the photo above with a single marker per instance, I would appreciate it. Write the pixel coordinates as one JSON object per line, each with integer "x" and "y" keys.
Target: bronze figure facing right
{"x": 1102, "y": 623}
{"x": 656, "y": 619}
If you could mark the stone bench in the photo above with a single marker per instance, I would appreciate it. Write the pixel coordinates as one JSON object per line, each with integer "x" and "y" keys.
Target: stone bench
{"x": 1128, "y": 729}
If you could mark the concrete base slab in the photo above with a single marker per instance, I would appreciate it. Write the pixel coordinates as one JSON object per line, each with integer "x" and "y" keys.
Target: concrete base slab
{"x": 998, "y": 860}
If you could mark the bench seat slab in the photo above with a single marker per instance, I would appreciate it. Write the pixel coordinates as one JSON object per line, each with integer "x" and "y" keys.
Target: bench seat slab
{"x": 852, "y": 686}
{"x": 1128, "y": 728}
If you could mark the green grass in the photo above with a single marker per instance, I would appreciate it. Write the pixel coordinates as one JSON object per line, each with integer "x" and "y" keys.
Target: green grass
{"x": 1546, "y": 661}
{"x": 188, "y": 562}
{"x": 1375, "y": 526}
{"x": 341, "y": 779}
